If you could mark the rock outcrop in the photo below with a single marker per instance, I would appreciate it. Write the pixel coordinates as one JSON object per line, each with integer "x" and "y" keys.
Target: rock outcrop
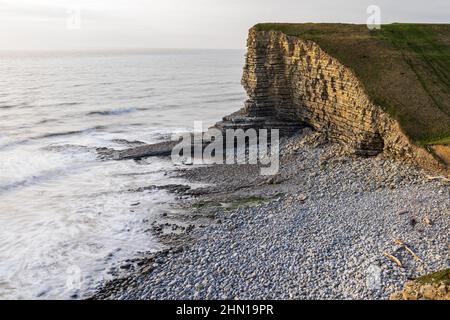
{"x": 435, "y": 286}
{"x": 291, "y": 81}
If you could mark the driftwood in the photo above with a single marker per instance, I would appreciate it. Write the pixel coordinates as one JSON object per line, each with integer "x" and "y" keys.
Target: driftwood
{"x": 433, "y": 178}
{"x": 401, "y": 243}
{"x": 427, "y": 221}
{"x": 397, "y": 261}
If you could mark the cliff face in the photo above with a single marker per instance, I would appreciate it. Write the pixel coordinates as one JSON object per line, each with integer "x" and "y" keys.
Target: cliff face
{"x": 293, "y": 79}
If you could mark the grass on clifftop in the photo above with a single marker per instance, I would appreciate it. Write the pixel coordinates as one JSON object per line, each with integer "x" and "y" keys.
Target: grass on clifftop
{"x": 405, "y": 68}
{"x": 442, "y": 276}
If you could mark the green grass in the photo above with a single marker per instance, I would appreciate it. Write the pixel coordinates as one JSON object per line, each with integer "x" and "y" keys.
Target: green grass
{"x": 245, "y": 202}
{"x": 443, "y": 141}
{"x": 442, "y": 276}
{"x": 405, "y": 68}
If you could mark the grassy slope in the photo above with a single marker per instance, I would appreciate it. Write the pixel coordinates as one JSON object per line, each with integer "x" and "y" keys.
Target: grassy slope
{"x": 442, "y": 276}
{"x": 405, "y": 68}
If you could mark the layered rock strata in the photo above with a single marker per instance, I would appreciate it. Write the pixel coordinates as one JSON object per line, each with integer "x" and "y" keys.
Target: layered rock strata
{"x": 292, "y": 82}
{"x": 244, "y": 121}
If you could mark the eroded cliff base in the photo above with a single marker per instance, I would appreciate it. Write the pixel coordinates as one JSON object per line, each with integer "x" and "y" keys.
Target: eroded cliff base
{"x": 290, "y": 80}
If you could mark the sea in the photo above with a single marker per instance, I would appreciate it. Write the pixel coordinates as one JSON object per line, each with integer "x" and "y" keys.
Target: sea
{"x": 66, "y": 216}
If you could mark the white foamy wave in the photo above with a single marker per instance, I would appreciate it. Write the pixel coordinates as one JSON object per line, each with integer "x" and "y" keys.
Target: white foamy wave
{"x": 25, "y": 166}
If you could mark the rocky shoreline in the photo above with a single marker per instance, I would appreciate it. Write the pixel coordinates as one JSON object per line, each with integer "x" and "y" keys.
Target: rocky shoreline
{"x": 326, "y": 227}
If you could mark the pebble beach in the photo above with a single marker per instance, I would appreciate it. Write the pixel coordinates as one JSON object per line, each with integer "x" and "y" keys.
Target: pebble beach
{"x": 329, "y": 226}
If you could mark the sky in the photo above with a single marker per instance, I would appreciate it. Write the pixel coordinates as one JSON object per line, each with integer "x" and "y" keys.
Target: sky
{"x": 221, "y": 24}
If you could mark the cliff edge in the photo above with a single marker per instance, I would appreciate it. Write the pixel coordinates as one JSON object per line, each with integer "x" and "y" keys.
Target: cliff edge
{"x": 362, "y": 88}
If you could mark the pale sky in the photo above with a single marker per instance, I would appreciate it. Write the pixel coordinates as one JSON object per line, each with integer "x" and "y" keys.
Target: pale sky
{"x": 122, "y": 24}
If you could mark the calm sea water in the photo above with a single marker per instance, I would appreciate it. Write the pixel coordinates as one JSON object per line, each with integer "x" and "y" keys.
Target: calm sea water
{"x": 65, "y": 216}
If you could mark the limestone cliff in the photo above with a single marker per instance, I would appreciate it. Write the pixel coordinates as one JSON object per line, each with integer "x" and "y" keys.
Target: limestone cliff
{"x": 294, "y": 80}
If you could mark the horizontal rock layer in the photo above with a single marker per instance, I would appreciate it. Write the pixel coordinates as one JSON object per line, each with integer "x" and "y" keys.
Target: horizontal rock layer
{"x": 292, "y": 79}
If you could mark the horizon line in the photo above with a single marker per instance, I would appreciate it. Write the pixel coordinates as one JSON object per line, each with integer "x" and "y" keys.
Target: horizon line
{"x": 115, "y": 49}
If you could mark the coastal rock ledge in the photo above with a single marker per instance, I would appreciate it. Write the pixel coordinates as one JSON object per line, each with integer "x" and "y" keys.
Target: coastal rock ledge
{"x": 292, "y": 82}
